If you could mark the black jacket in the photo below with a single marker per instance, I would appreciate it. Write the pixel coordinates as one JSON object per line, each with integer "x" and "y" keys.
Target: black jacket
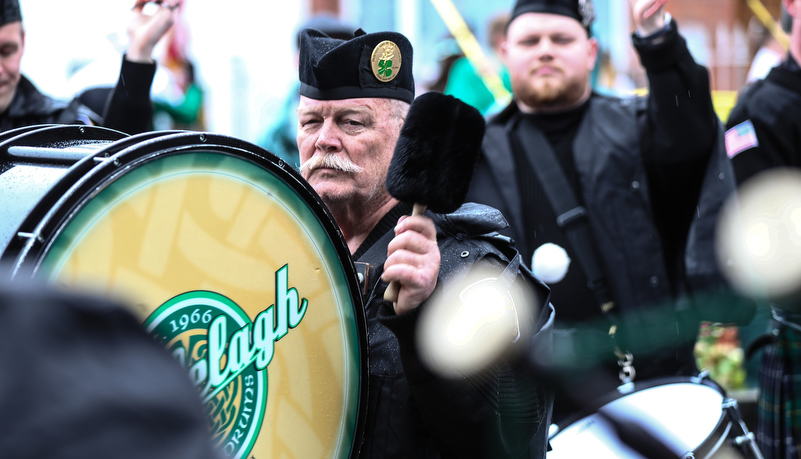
{"x": 129, "y": 108}
{"x": 615, "y": 190}
{"x": 642, "y": 164}
{"x": 412, "y": 412}
{"x": 773, "y": 106}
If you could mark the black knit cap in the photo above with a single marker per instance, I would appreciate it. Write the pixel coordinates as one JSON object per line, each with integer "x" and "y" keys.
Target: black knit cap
{"x": 9, "y": 12}
{"x": 580, "y": 10}
{"x": 368, "y": 65}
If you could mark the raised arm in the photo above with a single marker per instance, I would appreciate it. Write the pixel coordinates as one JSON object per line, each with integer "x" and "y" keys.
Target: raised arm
{"x": 678, "y": 127}
{"x": 681, "y": 121}
{"x": 129, "y": 108}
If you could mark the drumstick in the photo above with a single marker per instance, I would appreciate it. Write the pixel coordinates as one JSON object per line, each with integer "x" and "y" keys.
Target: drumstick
{"x": 434, "y": 158}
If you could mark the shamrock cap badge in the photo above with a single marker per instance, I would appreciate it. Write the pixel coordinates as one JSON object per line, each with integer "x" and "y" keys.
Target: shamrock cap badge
{"x": 386, "y": 61}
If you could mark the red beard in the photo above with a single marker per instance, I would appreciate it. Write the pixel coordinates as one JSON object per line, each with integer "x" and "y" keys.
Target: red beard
{"x": 549, "y": 93}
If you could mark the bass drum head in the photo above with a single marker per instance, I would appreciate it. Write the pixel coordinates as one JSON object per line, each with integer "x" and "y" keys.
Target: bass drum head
{"x": 236, "y": 267}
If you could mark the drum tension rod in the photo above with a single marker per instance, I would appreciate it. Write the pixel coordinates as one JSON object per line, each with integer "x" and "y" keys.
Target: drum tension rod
{"x": 31, "y": 236}
{"x": 703, "y": 374}
{"x": 103, "y": 159}
{"x": 747, "y": 439}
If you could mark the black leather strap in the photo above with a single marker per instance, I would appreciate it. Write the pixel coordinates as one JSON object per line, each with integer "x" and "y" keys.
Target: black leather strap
{"x": 571, "y": 217}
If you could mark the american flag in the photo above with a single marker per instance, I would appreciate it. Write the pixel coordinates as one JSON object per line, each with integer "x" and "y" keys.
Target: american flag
{"x": 740, "y": 138}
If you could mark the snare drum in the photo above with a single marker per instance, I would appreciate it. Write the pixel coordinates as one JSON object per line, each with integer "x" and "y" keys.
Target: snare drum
{"x": 228, "y": 257}
{"x": 682, "y": 417}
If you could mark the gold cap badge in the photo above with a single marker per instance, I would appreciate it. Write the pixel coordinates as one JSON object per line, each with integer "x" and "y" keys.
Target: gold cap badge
{"x": 386, "y": 61}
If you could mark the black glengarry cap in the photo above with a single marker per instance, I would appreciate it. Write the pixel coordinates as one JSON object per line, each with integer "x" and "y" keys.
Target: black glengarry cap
{"x": 9, "y": 11}
{"x": 374, "y": 65}
{"x": 580, "y": 10}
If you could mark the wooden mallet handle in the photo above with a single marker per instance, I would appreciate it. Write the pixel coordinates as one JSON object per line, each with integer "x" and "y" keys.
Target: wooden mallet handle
{"x": 391, "y": 293}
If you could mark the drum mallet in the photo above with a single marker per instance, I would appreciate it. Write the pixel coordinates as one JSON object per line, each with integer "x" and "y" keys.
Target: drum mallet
{"x": 434, "y": 158}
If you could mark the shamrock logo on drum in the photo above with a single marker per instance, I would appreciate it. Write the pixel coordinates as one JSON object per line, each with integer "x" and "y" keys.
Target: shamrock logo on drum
{"x": 226, "y": 356}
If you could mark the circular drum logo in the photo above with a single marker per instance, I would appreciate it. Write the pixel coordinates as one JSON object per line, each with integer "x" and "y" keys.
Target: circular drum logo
{"x": 211, "y": 337}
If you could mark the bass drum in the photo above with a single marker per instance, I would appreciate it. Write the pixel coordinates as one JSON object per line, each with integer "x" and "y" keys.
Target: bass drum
{"x": 228, "y": 257}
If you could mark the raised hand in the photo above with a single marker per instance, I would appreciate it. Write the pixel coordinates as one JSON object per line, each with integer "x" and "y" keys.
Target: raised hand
{"x": 649, "y": 15}
{"x": 145, "y": 30}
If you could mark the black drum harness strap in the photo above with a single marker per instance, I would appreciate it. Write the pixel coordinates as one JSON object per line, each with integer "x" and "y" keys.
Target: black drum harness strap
{"x": 572, "y": 220}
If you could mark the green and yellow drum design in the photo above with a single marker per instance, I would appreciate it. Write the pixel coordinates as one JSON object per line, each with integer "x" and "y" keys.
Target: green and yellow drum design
{"x": 231, "y": 262}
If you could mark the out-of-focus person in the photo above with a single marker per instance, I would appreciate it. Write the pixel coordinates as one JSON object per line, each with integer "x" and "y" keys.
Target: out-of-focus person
{"x": 185, "y": 109}
{"x": 280, "y": 136}
{"x": 764, "y": 133}
{"x": 763, "y": 128}
{"x": 769, "y": 51}
{"x": 627, "y": 233}
{"x": 127, "y": 109}
{"x": 81, "y": 378}
{"x": 354, "y": 99}
{"x": 610, "y": 80}
{"x": 465, "y": 81}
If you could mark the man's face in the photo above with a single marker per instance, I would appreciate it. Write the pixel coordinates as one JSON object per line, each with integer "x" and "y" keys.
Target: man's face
{"x": 12, "y": 43}
{"x": 549, "y": 58}
{"x": 359, "y": 135}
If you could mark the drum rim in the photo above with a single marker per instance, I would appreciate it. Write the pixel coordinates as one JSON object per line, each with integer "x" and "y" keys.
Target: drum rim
{"x": 50, "y": 133}
{"x": 128, "y": 152}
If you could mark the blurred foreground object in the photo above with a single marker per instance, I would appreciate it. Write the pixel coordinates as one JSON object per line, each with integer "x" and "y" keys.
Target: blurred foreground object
{"x": 759, "y": 247}
{"x": 759, "y": 237}
{"x": 81, "y": 378}
{"x": 474, "y": 322}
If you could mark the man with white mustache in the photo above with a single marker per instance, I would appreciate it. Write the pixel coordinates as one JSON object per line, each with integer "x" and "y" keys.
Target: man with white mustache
{"x": 355, "y": 97}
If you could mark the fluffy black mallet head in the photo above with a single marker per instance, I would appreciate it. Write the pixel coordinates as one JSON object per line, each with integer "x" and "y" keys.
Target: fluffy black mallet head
{"x": 436, "y": 152}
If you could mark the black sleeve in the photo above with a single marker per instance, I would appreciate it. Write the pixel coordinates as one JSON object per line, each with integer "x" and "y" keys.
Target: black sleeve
{"x": 494, "y": 413}
{"x": 129, "y": 108}
{"x": 681, "y": 119}
{"x": 762, "y": 106}
{"x": 677, "y": 134}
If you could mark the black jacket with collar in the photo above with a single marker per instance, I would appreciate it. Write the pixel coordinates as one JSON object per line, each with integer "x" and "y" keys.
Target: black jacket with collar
{"x": 129, "y": 108}
{"x": 634, "y": 158}
{"x": 412, "y": 412}
{"x": 30, "y": 107}
{"x": 773, "y": 106}
{"x": 620, "y": 214}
